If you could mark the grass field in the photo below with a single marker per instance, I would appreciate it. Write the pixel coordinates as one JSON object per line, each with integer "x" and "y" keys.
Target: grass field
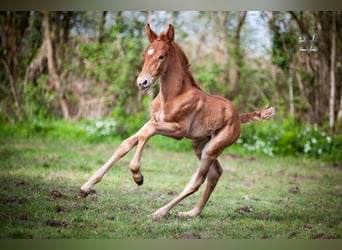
{"x": 257, "y": 197}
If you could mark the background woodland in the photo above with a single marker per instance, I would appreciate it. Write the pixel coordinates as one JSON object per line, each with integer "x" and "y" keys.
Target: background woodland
{"x": 82, "y": 66}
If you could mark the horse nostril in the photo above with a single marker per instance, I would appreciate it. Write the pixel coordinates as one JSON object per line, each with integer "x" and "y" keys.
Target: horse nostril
{"x": 143, "y": 84}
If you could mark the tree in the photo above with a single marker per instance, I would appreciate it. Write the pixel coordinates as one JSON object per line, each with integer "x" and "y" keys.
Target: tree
{"x": 55, "y": 78}
{"x": 75, "y": 65}
{"x": 332, "y": 74}
{"x": 19, "y": 40}
{"x": 309, "y": 72}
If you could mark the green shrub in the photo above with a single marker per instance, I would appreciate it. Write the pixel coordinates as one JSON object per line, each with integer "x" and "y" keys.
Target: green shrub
{"x": 291, "y": 138}
{"x": 288, "y": 138}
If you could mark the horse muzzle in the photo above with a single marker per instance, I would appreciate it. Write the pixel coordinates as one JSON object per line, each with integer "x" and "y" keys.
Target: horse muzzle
{"x": 144, "y": 83}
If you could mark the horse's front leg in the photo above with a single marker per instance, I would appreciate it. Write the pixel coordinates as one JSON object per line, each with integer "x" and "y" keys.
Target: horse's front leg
{"x": 144, "y": 135}
{"x": 120, "y": 152}
{"x": 173, "y": 130}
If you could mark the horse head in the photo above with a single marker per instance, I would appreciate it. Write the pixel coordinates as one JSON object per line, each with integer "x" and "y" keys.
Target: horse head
{"x": 155, "y": 57}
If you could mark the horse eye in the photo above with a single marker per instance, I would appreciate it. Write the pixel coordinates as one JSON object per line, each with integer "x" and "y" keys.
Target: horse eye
{"x": 161, "y": 57}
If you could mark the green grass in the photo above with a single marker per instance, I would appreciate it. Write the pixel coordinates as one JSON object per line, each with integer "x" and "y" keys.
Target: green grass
{"x": 257, "y": 197}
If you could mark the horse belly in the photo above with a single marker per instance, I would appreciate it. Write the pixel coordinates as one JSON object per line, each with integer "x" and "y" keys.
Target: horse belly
{"x": 202, "y": 128}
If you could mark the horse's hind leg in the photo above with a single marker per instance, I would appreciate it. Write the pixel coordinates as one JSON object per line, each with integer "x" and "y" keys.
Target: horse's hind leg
{"x": 120, "y": 152}
{"x": 212, "y": 149}
{"x": 213, "y": 177}
{"x": 196, "y": 181}
{"x": 224, "y": 138}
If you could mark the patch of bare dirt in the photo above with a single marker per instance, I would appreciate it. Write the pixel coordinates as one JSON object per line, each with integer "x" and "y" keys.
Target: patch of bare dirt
{"x": 61, "y": 209}
{"x": 281, "y": 172}
{"x": 13, "y": 199}
{"x": 56, "y": 223}
{"x": 244, "y": 209}
{"x": 294, "y": 190}
{"x": 20, "y": 184}
{"x": 242, "y": 158}
{"x": 75, "y": 205}
{"x": 324, "y": 236}
{"x": 285, "y": 199}
{"x": 95, "y": 198}
{"x": 307, "y": 228}
{"x": 335, "y": 194}
{"x": 192, "y": 236}
{"x": 23, "y": 217}
{"x": 56, "y": 194}
{"x": 229, "y": 169}
{"x": 172, "y": 192}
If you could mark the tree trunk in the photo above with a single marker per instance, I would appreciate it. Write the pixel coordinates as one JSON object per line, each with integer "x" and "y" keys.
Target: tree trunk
{"x": 238, "y": 54}
{"x": 37, "y": 65}
{"x": 303, "y": 93}
{"x": 55, "y": 78}
{"x": 291, "y": 95}
{"x": 332, "y": 74}
{"x": 11, "y": 62}
{"x": 339, "y": 114}
{"x": 223, "y": 37}
{"x": 102, "y": 27}
{"x": 238, "y": 57}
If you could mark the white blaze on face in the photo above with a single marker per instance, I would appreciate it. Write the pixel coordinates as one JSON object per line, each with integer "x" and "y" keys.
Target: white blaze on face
{"x": 150, "y": 52}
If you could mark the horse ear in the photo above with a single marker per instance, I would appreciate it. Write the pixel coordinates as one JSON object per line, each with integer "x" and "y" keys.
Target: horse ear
{"x": 170, "y": 33}
{"x": 151, "y": 35}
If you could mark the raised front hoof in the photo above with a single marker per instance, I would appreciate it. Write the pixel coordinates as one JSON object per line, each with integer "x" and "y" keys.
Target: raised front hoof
{"x": 139, "y": 179}
{"x": 82, "y": 194}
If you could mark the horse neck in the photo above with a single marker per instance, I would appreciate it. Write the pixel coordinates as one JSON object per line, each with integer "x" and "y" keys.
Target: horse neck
{"x": 177, "y": 79}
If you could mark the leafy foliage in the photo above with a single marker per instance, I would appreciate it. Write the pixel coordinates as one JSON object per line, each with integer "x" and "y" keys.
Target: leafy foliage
{"x": 209, "y": 79}
{"x": 99, "y": 55}
{"x": 290, "y": 138}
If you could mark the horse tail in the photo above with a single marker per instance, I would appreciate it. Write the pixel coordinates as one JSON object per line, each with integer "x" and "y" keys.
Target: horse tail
{"x": 264, "y": 114}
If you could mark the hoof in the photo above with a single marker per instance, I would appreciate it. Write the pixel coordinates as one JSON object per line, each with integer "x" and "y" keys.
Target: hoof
{"x": 82, "y": 194}
{"x": 191, "y": 213}
{"x": 185, "y": 214}
{"x": 139, "y": 180}
{"x": 160, "y": 213}
{"x": 157, "y": 216}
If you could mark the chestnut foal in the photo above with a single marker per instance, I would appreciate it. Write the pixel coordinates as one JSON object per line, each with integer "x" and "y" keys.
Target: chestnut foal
{"x": 181, "y": 109}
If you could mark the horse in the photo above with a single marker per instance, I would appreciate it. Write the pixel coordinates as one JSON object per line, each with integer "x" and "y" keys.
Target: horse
{"x": 181, "y": 110}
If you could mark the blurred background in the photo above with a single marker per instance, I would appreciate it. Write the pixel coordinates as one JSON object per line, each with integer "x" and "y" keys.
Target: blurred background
{"x": 73, "y": 74}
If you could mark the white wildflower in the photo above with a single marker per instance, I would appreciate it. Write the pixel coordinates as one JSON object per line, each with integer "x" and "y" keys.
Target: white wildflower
{"x": 307, "y": 147}
{"x": 328, "y": 139}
